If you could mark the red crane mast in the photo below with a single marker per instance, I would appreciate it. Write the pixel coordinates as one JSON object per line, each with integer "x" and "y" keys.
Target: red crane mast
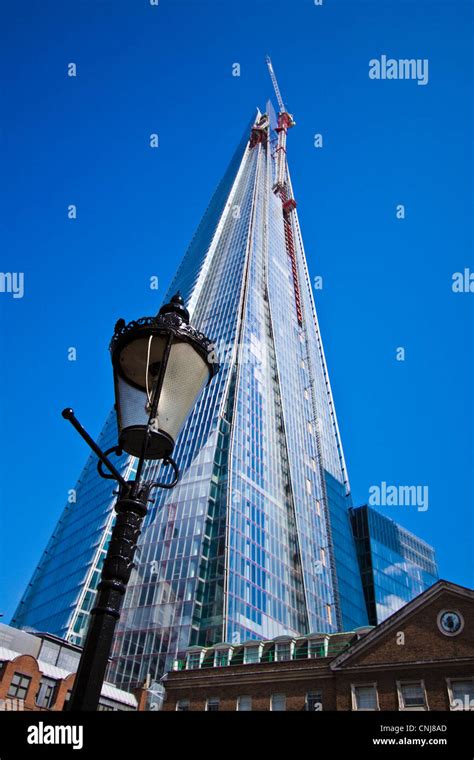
{"x": 281, "y": 186}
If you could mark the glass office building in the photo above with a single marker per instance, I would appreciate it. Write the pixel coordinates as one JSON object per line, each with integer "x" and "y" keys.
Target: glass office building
{"x": 255, "y": 541}
{"x": 395, "y": 564}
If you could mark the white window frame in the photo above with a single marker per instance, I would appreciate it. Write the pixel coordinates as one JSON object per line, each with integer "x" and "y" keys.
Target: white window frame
{"x": 364, "y": 685}
{"x": 321, "y": 644}
{"x": 218, "y": 653}
{"x": 259, "y": 654}
{"x": 401, "y": 705}
{"x": 193, "y": 654}
{"x": 213, "y": 699}
{"x": 288, "y": 645}
{"x": 178, "y": 702}
{"x": 449, "y": 684}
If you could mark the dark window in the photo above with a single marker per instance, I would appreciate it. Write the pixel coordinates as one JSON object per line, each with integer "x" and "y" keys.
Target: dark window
{"x": 221, "y": 659}
{"x": 413, "y": 694}
{"x": 19, "y": 686}
{"x": 213, "y": 704}
{"x": 44, "y": 697}
{"x": 194, "y": 661}
{"x": 314, "y": 701}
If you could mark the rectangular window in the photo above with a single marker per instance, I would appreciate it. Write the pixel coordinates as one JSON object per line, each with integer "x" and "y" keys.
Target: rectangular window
{"x": 49, "y": 652}
{"x": 182, "y": 705}
{"x": 412, "y": 695}
{"x": 308, "y": 486}
{"x": 45, "y": 695}
{"x": 364, "y": 697}
{"x": 212, "y": 705}
{"x": 461, "y": 694}
{"x": 19, "y": 686}
{"x": 278, "y": 702}
{"x": 329, "y": 613}
{"x": 316, "y": 649}
{"x": 244, "y": 704}
{"x": 314, "y": 701}
{"x": 221, "y": 659}
{"x": 105, "y": 707}
{"x": 193, "y": 661}
{"x": 283, "y": 652}
{"x": 68, "y": 660}
{"x": 251, "y": 654}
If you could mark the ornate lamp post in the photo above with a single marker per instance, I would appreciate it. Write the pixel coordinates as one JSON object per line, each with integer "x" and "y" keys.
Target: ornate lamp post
{"x": 161, "y": 364}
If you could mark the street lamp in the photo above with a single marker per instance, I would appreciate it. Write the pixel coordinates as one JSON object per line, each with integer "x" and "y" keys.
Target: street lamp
{"x": 161, "y": 364}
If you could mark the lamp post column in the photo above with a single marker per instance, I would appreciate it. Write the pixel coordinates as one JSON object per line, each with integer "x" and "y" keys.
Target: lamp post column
{"x": 116, "y": 572}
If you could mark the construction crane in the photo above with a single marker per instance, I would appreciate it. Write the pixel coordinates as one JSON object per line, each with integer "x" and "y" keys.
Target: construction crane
{"x": 281, "y": 187}
{"x": 285, "y": 122}
{"x": 281, "y": 104}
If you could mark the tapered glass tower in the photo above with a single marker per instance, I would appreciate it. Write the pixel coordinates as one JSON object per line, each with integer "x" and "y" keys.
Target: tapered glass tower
{"x": 255, "y": 541}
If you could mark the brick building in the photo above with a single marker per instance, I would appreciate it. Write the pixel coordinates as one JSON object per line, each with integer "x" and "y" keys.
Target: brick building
{"x": 420, "y": 658}
{"x": 37, "y": 673}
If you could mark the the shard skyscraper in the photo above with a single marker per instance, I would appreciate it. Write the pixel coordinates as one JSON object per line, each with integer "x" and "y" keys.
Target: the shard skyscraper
{"x": 255, "y": 540}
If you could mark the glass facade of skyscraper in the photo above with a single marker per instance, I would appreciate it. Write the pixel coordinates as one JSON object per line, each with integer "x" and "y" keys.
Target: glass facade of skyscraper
{"x": 62, "y": 590}
{"x": 242, "y": 548}
{"x": 395, "y": 565}
{"x": 255, "y": 541}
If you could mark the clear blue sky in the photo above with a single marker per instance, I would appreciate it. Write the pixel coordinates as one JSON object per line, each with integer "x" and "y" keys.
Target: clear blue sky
{"x": 387, "y": 282}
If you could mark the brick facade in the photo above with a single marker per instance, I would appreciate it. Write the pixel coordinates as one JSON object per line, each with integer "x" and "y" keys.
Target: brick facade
{"x": 408, "y": 646}
{"x": 27, "y": 665}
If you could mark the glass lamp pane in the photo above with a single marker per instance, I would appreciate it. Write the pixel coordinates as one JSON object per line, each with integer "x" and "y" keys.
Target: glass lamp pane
{"x": 135, "y": 357}
{"x": 133, "y": 421}
{"x": 185, "y": 376}
{"x": 131, "y": 405}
